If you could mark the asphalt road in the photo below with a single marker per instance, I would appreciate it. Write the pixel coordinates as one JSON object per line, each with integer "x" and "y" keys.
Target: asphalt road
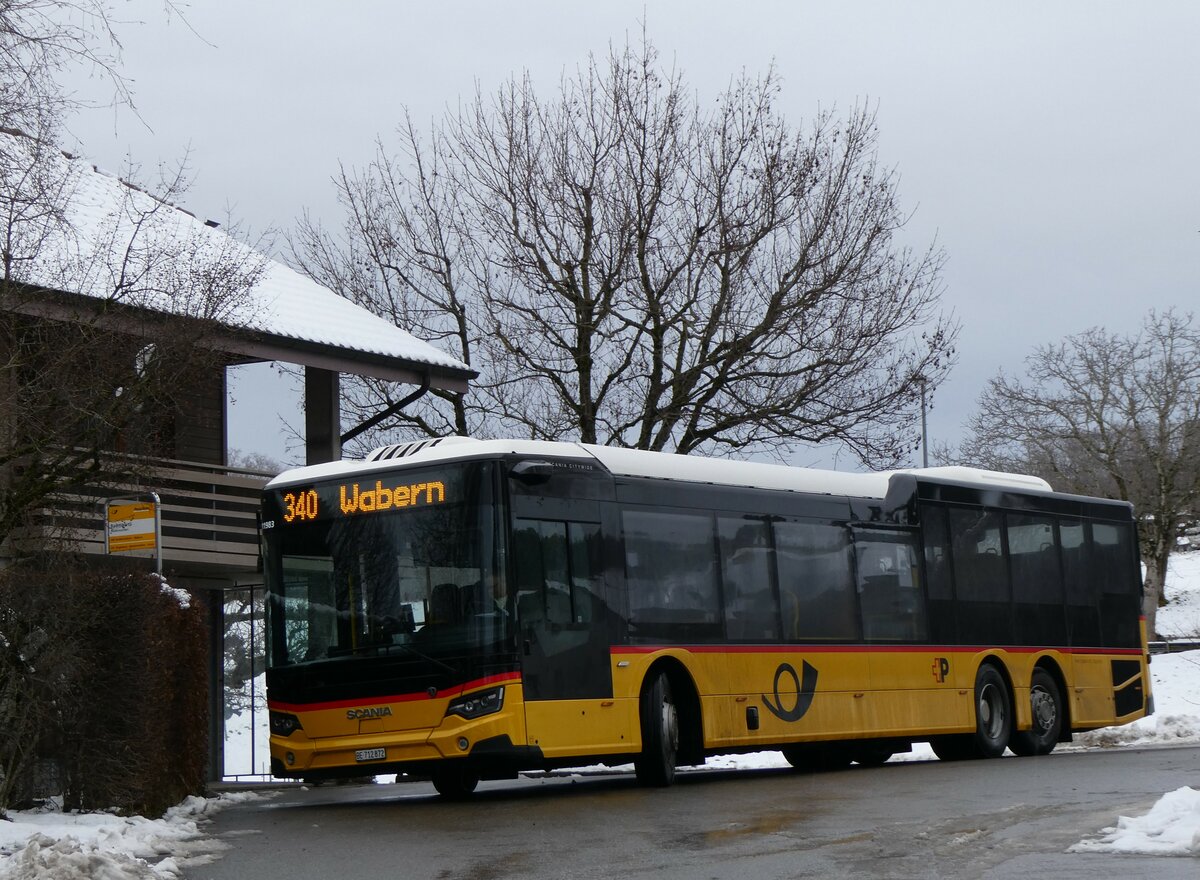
{"x": 1007, "y": 818}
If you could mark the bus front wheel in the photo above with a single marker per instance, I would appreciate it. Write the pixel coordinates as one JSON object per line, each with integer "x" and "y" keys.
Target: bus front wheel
{"x": 454, "y": 783}
{"x": 1045, "y": 702}
{"x": 660, "y": 734}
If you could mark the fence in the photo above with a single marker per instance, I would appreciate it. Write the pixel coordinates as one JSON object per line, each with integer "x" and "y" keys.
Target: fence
{"x": 245, "y": 724}
{"x": 1174, "y": 646}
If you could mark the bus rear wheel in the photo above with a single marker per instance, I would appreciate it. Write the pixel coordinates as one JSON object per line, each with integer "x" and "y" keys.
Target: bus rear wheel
{"x": 1045, "y": 702}
{"x": 993, "y": 713}
{"x": 655, "y": 766}
{"x": 867, "y": 756}
{"x": 993, "y": 722}
{"x": 455, "y": 783}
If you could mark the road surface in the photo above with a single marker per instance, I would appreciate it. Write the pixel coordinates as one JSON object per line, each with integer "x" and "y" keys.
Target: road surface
{"x": 1007, "y": 818}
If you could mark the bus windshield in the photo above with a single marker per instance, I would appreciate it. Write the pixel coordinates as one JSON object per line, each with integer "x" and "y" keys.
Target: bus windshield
{"x": 402, "y": 565}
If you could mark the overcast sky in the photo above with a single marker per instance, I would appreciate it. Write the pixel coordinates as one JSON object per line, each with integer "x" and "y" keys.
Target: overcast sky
{"x": 1049, "y": 147}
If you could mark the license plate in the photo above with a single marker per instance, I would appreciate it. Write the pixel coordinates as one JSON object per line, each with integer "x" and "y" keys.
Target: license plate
{"x": 370, "y": 755}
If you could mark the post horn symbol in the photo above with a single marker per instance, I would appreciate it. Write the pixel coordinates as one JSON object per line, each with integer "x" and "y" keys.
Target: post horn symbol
{"x": 806, "y": 688}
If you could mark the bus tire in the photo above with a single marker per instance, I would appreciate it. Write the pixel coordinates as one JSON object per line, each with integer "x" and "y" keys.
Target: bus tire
{"x": 866, "y": 756}
{"x": 954, "y": 748}
{"x": 993, "y": 713}
{"x": 1045, "y": 702}
{"x": 816, "y": 757}
{"x": 454, "y": 783}
{"x": 655, "y": 766}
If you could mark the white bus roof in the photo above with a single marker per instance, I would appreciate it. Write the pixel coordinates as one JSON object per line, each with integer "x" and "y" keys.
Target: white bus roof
{"x": 659, "y": 465}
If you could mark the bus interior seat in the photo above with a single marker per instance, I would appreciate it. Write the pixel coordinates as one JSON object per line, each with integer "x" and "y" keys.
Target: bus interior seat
{"x": 444, "y": 603}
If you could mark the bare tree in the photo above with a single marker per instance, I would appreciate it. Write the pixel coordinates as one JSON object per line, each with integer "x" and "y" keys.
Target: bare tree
{"x": 107, "y": 303}
{"x": 626, "y": 265}
{"x": 107, "y": 324}
{"x": 1107, "y": 414}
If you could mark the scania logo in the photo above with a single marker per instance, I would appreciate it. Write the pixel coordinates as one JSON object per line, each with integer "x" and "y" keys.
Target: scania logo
{"x": 371, "y": 712}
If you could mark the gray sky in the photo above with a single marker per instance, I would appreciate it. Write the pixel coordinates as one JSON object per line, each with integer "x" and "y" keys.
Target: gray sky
{"x": 1051, "y": 148}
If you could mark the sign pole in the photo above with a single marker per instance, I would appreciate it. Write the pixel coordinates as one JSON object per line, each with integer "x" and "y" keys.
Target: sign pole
{"x": 157, "y": 534}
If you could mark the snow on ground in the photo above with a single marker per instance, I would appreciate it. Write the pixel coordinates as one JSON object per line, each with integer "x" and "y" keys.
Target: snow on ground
{"x": 1171, "y": 828}
{"x": 1180, "y": 619}
{"x": 247, "y": 739}
{"x": 102, "y": 846}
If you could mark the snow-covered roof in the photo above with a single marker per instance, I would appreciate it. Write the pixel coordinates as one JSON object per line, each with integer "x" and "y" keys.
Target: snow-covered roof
{"x": 114, "y": 241}
{"x": 660, "y": 465}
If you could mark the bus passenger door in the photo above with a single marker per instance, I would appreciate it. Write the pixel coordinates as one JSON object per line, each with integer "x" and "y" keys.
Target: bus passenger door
{"x": 560, "y": 608}
{"x": 564, "y": 636}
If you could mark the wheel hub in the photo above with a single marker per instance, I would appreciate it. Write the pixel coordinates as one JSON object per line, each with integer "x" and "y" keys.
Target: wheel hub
{"x": 1044, "y": 711}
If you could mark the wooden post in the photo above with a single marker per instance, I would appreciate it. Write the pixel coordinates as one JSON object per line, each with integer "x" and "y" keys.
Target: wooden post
{"x": 322, "y": 416}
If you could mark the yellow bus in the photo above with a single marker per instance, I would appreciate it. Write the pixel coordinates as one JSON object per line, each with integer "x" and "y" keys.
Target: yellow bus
{"x": 464, "y": 609}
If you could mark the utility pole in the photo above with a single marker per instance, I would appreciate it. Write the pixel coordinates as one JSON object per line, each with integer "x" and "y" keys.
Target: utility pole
{"x": 924, "y": 430}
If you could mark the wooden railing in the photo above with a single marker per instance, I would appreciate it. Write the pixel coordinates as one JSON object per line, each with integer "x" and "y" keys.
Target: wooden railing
{"x": 209, "y": 515}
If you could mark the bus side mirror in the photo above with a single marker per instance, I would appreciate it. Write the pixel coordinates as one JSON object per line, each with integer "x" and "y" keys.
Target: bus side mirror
{"x": 531, "y": 472}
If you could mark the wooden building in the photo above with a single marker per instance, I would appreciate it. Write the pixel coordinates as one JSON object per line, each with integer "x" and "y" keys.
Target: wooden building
{"x": 109, "y": 254}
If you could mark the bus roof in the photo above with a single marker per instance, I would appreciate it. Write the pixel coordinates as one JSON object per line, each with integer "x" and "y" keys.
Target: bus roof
{"x": 659, "y": 465}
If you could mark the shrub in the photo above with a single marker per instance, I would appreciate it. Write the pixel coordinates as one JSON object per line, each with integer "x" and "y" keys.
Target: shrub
{"x": 105, "y": 675}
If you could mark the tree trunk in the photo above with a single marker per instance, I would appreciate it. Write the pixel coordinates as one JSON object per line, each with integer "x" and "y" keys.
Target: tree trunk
{"x": 1152, "y": 587}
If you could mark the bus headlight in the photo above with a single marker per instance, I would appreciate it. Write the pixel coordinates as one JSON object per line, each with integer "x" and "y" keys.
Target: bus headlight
{"x": 284, "y": 723}
{"x": 477, "y": 704}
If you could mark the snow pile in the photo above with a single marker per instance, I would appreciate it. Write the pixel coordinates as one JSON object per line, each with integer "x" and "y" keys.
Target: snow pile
{"x": 101, "y": 846}
{"x": 1171, "y": 828}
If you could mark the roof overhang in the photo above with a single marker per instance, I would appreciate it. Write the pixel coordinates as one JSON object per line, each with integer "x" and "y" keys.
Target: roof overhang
{"x": 244, "y": 344}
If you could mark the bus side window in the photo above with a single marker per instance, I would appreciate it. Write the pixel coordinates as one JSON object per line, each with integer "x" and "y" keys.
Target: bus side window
{"x": 670, "y": 563}
{"x": 889, "y": 586}
{"x": 750, "y": 611}
{"x": 816, "y": 583}
{"x": 939, "y": 584}
{"x": 543, "y": 587}
{"x": 980, "y": 576}
{"x": 557, "y": 571}
{"x": 1120, "y": 598}
{"x": 1083, "y": 613}
{"x": 1036, "y": 580}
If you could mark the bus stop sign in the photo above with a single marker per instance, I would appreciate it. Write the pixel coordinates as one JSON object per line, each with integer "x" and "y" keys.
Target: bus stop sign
{"x": 132, "y": 525}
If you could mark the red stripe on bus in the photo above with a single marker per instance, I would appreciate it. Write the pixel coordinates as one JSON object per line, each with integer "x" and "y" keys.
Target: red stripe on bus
{"x": 865, "y": 649}
{"x": 455, "y": 691}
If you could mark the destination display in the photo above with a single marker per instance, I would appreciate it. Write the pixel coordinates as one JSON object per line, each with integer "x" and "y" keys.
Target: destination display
{"x": 392, "y": 492}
